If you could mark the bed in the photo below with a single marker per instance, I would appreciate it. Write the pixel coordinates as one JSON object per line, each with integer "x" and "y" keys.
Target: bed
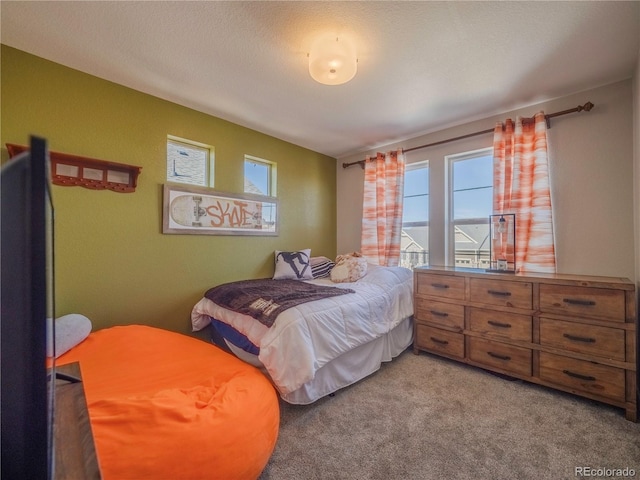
{"x": 166, "y": 405}
{"x": 315, "y": 348}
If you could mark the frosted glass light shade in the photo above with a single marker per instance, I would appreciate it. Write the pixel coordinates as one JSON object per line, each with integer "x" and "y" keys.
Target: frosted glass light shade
{"x": 332, "y": 60}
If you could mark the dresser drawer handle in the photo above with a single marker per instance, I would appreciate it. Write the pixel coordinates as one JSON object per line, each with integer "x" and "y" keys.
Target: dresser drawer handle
{"x": 499, "y": 357}
{"x": 588, "y": 378}
{"x": 437, "y": 340}
{"x": 497, "y": 292}
{"x": 439, "y": 314}
{"x": 498, "y": 324}
{"x": 579, "y": 339}
{"x": 439, "y": 285}
{"x": 574, "y": 301}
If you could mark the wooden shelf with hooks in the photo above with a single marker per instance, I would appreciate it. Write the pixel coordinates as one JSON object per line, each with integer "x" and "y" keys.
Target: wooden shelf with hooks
{"x": 74, "y": 170}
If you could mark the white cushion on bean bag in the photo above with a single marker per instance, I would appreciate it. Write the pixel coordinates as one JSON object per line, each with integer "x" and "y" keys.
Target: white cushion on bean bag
{"x": 70, "y": 331}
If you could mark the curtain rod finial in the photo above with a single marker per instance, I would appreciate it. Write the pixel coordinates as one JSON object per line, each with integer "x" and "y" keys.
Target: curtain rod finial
{"x": 587, "y": 106}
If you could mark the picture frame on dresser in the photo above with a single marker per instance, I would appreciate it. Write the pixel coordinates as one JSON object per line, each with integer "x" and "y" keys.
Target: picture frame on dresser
{"x": 574, "y": 333}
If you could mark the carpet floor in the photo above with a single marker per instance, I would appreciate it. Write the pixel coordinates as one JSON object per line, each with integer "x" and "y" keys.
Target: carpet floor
{"x": 425, "y": 417}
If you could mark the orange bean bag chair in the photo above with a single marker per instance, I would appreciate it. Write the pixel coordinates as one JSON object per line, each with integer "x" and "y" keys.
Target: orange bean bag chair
{"x": 168, "y": 406}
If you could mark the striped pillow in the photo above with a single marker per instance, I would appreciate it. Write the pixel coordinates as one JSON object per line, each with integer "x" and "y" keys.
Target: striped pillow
{"x": 321, "y": 267}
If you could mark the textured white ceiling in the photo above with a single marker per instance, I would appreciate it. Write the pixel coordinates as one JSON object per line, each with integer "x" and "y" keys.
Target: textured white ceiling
{"x": 422, "y": 66}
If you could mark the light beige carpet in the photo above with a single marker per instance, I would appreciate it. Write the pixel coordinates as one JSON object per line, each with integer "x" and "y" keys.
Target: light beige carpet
{"x": 424, "y": 417}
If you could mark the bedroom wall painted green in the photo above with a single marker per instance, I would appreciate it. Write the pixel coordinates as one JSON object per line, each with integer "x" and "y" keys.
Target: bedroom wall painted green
{"x": 113, "y": 264}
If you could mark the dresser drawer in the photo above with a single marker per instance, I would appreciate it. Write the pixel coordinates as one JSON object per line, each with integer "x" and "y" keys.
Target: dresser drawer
{"x": 500, "y": 324}
{"x": 445, "y": 286}
{"x": 599, "y": 303}
{"x": 442, "y": 341}
{"x": 502, "y": 293}
{"x": 446, "y": 314}
{"x": 500, "y": 355}
{"x": 584, "y": 376}
{"x": 589, "y": 339}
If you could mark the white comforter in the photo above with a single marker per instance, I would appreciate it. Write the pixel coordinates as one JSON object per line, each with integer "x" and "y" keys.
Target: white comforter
{"x": 306, "y": 337}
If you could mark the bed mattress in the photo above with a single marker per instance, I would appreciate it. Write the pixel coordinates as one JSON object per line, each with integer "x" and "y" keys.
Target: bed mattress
{"x": 343, "y": 371}
{"x": 305, "y": 339}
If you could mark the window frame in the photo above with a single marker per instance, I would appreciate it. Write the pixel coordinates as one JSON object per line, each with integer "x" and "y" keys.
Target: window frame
{"x": 450, "y": 221}
{"x": 271, "y": 176}
{"x": 417, "y": 166}
{"x": 209, "y": 164}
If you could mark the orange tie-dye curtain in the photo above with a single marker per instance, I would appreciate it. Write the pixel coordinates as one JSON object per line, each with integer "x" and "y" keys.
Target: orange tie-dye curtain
{"x": 521, "y": 186}
{"x": 382, "y": 208}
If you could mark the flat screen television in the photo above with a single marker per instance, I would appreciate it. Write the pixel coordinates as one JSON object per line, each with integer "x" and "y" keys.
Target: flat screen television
{"x": 26, "y": 294}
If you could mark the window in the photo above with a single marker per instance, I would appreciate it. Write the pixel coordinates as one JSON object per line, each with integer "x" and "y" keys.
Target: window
{"x": 189, "y": 162}
{"x": 415, "y": 216}
{"x": 471, "y": 203}
{"x": 259, "y": 176}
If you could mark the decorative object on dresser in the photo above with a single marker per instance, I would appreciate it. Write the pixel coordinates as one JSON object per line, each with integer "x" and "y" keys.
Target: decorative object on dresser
{"x": 574, "y": 333}
{"x": 502, "y": 244}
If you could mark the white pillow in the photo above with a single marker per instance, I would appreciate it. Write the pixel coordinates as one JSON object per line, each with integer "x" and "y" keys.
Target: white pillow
{"x": 350, "y": 267}
{"x": 70, "y": 331}
{"x": 293, "y": 265}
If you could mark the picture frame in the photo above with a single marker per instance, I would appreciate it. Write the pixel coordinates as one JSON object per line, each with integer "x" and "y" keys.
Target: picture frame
{"x": 189, "y": 210}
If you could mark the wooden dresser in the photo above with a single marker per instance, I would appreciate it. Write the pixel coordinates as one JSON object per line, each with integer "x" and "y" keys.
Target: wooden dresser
{"x": 570, "y": 332}
{"x": 75, "y": 451}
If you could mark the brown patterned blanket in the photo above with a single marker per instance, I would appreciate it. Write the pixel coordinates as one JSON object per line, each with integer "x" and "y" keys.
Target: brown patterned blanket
{"x": 264, "y": 299}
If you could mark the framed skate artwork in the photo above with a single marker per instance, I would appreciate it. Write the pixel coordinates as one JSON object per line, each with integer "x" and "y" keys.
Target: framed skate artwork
{"x": 203, "y": 211}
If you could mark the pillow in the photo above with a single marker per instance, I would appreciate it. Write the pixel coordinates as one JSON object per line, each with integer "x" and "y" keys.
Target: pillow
{"x": 70, "y": 331}
{"x": 349, "y": 268}
{"x": 321, "y": 267}
{"x": 293, "y": 265}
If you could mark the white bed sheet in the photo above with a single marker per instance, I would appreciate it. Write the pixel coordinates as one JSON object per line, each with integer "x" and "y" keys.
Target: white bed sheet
{"x": 315, "y": 333}
{"x": 346, "y": 369}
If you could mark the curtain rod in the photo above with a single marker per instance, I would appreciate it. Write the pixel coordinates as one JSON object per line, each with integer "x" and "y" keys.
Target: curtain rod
{"x": 586, "y": 107}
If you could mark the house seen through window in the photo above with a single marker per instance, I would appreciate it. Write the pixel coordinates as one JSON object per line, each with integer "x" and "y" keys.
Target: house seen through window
{"x": 414, "y": 243}
{"x": 469, "y": 202}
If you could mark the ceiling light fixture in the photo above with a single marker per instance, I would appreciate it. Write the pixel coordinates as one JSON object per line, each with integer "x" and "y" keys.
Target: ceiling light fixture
{"x": 332, "y": 60}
